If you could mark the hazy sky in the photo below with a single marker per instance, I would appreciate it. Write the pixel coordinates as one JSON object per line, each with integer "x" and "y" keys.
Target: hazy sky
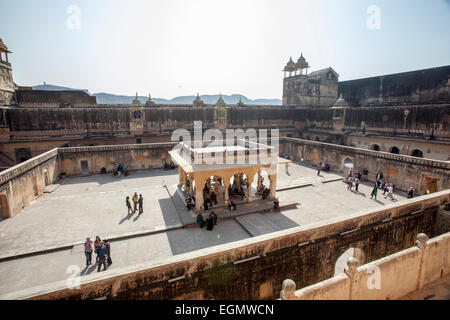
{"x": 178, "y": 47}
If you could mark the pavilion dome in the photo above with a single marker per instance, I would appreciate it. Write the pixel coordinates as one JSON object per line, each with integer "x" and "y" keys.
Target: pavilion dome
{"x": 301, "y": 62}
{"x": 220, "y": 101}
{"x": 290, "y": 66}
{"x": 340, "y": 103}
{"x": 198, "y": 102}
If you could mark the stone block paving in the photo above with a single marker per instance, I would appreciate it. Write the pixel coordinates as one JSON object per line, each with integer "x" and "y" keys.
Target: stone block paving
{"x": 88, "y": 206}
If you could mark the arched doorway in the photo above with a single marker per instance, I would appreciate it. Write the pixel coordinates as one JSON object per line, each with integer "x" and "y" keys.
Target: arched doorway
{"x": 375, "y": 147}
{"x": 417, "y": 153}
{"x": 4, "y": 207}
{"x": 22, "y": 155}
{"x": 316, "y": 138}
{"x": 214, "y": 185}
{"x": 347, "y": 165}
{"x": 341, "y": 262}
{"x": 395, "y": 150}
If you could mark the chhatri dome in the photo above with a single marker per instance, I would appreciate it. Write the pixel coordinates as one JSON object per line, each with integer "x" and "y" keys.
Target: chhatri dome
{"x": 198, "y": 102}
{"x": 220, "y": 102}
{"x": 136, "y": 101}
{"x": 149, "y": 101}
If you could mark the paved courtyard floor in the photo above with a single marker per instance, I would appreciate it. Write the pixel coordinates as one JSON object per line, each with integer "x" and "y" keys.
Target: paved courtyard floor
{"x": 88, "y": 206}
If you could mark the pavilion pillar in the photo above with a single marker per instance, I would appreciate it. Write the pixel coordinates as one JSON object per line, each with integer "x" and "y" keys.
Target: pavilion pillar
{"x": 199, "y": 198}
{"x": 226, "y": 184}
{"x": 191, "y": 185}
{"x": 259, "y": 177}
{"x": 273, "y": 186}
{"x": 249, "y": 188}
{"x": 216, "y": 185}
{"x": 181, "y": 176}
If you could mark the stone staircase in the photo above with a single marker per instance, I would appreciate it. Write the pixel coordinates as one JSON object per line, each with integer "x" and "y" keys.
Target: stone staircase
{"x": 6, "y": 161}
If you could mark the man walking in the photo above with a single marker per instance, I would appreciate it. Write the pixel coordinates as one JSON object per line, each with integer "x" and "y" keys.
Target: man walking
{"x": 141, "y": 204}
{"x": 374, "y": 192}
{"x": 356, "y": 184}
{"x": 318, "y": 169}
{"x": 102, "y": 255}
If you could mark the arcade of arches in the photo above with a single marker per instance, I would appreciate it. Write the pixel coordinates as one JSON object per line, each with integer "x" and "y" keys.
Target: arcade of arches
{"x": 223, "y": 181}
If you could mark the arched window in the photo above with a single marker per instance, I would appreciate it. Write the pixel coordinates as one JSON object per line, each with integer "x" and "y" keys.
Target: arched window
{"x": 395, "y": 150}
{"x": 375, "y": 147}
{"x": 417, "y": 153}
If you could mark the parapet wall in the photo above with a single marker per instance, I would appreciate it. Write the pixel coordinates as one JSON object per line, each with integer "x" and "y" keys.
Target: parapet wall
{"x": 20, "y": 184}
{"x": 255, "y": 268}
{"x": 391, "y": 277}
{"x": 404, "y": 171}
{"x": 137, "y": 157}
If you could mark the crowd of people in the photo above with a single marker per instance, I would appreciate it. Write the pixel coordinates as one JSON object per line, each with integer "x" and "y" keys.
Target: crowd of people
{"x": 137, "y": 201}
{"x": 102, "y": 249}
{"x": 120, "y": 169}
{"x": 210, "y": 222}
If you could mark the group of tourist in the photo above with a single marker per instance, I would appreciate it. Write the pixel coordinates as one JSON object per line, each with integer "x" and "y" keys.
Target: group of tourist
{"x": 119, "y": 169}
{"x": 210, "y": 222}
{"x": 353, "y": 179}
{"x": 137, "y": 201}
{"x": 102, "y": 250}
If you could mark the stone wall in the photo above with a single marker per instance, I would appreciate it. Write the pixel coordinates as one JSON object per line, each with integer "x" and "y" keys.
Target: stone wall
{"x": 432, "y": 149}
{"x": 403, "y": 171}
{"x": 137, "y": 157}
{"x": 415, "y": 87}
{"x": 391, "y": 277}
{"x": 255, "y": 268}
{"x": 20, "y": 184}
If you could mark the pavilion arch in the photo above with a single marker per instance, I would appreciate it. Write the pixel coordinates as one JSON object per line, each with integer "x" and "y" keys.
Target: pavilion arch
{"x": 375, "y": 147}
{"x": 341, "y": 261}
{"x": 417, "y": 153}
{"x": 395, "y": 150}
{"x": 4, "y": 207}
{"x": 347, "y": 164}
{"x": 217, "y": 184}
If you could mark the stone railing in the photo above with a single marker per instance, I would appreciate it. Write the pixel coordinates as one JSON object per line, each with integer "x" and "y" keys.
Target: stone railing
{"x": 371, "y": 153}
{"x": 143, "y": 146}
{"x": 20, "y": 169}
{"x": 391, "y": 277}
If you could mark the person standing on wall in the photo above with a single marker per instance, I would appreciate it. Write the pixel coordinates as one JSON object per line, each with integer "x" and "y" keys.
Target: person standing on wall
{"x": 141, "y": 204}
{"x": 356, "y": 184}
{"x": 108, "y": 247}
{"x": 135, "y": 201}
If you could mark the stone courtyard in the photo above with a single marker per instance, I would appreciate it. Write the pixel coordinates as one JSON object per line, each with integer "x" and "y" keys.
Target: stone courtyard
{"x": 39, "y": 243}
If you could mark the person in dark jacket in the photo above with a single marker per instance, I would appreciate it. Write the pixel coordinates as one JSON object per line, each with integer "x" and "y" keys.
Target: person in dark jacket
{"x": 141, "y": 204}
{"x": 411, "y": 193}
{"x": 108, "y": 247}
{"x": 213, "y": 215}
{"x": 102, "y": 256}
{"x": 209, "y": 223}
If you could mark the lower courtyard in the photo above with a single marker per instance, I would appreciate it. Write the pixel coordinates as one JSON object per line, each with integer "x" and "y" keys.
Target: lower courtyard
{"x": 44, "y": 242}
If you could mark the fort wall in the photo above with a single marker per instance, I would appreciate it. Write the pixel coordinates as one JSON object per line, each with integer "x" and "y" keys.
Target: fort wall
{"x": 20, "y": 184}
{"x": 388, "y": 278}
{"x": 255, "y": 268}
{"x": 403, "y": 171}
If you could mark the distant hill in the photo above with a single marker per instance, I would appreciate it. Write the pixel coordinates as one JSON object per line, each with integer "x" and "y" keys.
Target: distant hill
{"x": 50, "y": 87}
{"x": 108, "y": 98}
